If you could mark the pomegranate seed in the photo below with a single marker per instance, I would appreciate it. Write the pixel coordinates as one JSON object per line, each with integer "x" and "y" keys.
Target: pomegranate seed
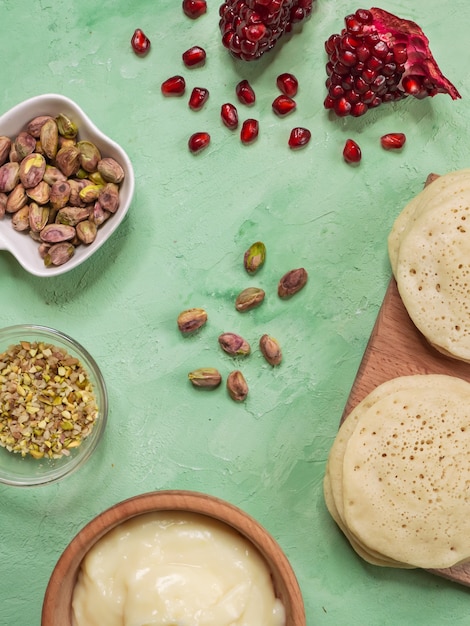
{"x": 140, "y": 42}
{"x": 194, "y": 57}
{"x": 174, "y": 86}
{"x": 299, "y": 137}
{"x": 283, "y": 105}
{"x": 351, "y": 152}
{"x": 245, "y": 93}
{"x": 288, "y": 84}
{"x": 198, "y": 141}
{"x": 249, "y": 131}
{"x": 194, "y": 8}
{"x": 229, "y": 115}
{"x": 393, "y": 141}
{"x": 198, "y": 98}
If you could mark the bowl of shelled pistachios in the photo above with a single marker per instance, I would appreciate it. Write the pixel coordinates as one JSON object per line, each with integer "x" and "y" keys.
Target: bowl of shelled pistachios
{"x": 53, "y": 405}
{"x": 65, "y": 186}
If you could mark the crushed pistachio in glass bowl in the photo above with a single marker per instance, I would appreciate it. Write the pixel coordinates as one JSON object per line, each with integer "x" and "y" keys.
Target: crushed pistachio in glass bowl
{"x": 53, "y": 405}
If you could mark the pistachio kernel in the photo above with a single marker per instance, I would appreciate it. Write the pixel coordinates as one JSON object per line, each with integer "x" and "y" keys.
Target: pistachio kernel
{"x": 234, "y": 344}
{"x": 190, "y": 320}
{"x": 205, "y": 378}
{"x": 249, "y": 299}
{"x": 254, "y": 257}
{"x": 292, "y": 282}
{"x": 237, "y": 386}
{"x": 270, "y": 349}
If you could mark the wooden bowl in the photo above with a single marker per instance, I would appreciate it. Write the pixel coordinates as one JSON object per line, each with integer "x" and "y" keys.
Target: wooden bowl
{"x": 56, "y": 610}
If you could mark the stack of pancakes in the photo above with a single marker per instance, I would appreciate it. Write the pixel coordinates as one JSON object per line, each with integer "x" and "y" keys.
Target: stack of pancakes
{"x": 397, "y": 479}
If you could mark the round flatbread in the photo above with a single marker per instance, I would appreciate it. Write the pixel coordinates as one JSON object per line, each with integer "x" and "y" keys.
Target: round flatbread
{"x": 406, "y": 474}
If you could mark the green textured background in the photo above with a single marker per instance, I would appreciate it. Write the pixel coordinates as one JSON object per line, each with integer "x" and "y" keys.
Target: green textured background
{"x": 181, "y": 245}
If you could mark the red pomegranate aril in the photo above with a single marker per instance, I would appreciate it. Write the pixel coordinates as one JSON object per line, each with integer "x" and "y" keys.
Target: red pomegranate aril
{"x": 140, "y": 42}
{"x": 198, "y": 98}
{"x": 245, "y": 93}
{"x": 198, "y": 141}
{"x": 249, "y": 131}
{"x": 283, "y": 105}
{"x": 194, "y": 8}
{"x": 174, "y": 86}
{"x": 194, "y": 57}
{"x": 393, "y": 141}
{"x": 351, "y": 152}
{"x": 229, "y": 115}
{"x": 288, "y": 84}
{"x": 390, "y": 54}
{"x": 299, "y": 138}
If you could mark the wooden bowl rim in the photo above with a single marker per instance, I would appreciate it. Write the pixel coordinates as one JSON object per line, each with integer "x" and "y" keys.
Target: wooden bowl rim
{"x": 57, "y": 601}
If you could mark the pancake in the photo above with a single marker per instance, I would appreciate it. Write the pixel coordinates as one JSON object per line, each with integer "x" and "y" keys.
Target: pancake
{"x": 406, "y": 473}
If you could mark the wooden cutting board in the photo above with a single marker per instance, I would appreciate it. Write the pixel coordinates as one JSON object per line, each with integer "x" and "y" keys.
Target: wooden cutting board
{"x": 397, "y": 348}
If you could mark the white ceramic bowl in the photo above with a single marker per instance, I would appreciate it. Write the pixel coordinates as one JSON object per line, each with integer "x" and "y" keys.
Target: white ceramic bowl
{"x": 22, "y": 246}
{"x": 20, "y": 471}
{"x": 57, "y": 605}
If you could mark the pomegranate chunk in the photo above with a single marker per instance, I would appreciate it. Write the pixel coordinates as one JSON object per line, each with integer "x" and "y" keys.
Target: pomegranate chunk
{"x": 229, "y": 115}
{"x": 351, "y": 152}
{"x": 140, "y": 42}
{"x": 174, "y": 86}
{"x": 379, "y": 57}
{"x": 299, "y": 137}
{"x": 252, "y": 27}
{"x": 194, "y": 8}
{"x": 288, "y": 84}
{"x": 245, "y": 93}
{"x": 198, "y": 98}
{"x": 194, "y": 57}
{"x": 283, "y": 105}
{"x": 198, "y": 141}
{"x": 393, "y": 141}
{"x": 249, "y": 131}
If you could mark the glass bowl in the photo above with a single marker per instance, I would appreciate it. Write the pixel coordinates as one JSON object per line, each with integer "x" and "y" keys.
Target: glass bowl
{"x": 22, "y": 245}
{"x": 57, "y": 605}
{"x": 26, "y": 471}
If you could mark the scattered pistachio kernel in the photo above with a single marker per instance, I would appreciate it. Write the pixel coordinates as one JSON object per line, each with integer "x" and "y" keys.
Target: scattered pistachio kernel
{"x": 254, "y": 257}
{"x": 205, "y": 377}
{"x": 270, "y": 349}
{"x": 292, "y": 282}
{"x": 190, "y": 320}
{"x": 237, "y": 386}
{"x": 249, "y": 299}
{"x": 234, "y": 344}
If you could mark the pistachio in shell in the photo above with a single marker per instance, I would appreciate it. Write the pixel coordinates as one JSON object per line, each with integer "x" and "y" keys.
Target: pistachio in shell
{"x": 9, "y": 176}
{"x": 110, "y": 170}
{"x": 254, "y": 257}
{"x": 31, "y": 170}
{"x": 237, "y": 386}
{"x": 89, "y": 155}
